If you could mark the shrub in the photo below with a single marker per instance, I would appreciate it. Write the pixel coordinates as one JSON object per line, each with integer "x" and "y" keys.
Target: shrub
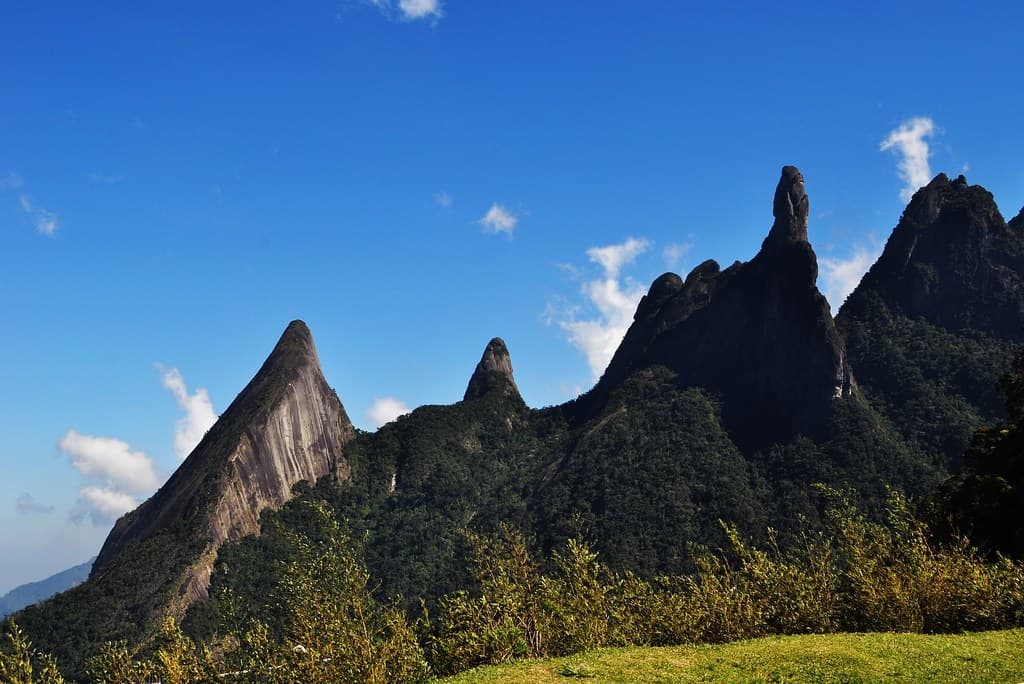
{"x": 20, "y": 663}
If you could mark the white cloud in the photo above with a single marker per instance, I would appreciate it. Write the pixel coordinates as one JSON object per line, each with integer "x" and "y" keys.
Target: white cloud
{"x": 841, "y": 276}
{"x": 27, "y": 505}
{"x": 498, "y": 220}
{"x": 47, "y": 222}
{"x": 386, "y": 409}
{"x": 110, "y": 461}
{"x": 613, "y": 257}
{"x": 444, "y": 200}
{"x": 908, "y": 140}
{"x": 410, "y": 10}
{"x": 613, "y": 300}
{"x": 120, "y": 475}
{"x": 199, "y": 414}
{"x": 420, "y": 9}
{"x": 102, "y": 505}
{"x": 675, "y": 252}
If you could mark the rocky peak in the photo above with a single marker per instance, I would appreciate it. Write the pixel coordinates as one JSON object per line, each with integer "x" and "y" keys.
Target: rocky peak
{"x": 493, "y": 372}
{"x": 953, "y": 261}
{"x": 790, "y": 208}
{"x": 294, "y": 349}
{"x": 757, "y": 334}
{"x": 286, "y": 426}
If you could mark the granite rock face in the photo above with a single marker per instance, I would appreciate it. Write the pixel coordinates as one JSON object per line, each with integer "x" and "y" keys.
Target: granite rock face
{"x": 494, "y": 372}
{"x": 286, "y": 426}
{"x": 758, "y": 334}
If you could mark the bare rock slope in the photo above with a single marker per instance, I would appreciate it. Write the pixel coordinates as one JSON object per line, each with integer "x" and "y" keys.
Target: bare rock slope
{"x": 286, "y": 426}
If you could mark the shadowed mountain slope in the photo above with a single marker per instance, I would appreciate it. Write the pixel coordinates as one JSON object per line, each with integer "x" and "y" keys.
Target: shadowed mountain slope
{"x": 758, "y": 334}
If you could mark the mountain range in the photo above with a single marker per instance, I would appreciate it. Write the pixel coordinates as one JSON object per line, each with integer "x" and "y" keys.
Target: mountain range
{"x": 732, "y": 393}
{"x": 34, "y": 592}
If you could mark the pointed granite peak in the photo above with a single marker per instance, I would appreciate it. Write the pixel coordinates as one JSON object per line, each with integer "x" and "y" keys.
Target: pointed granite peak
{"x": 287, "y": 425}
{"x": 493, "y": 371}
{"x": 295, "y": 349}
{"x": 791, "y": 207}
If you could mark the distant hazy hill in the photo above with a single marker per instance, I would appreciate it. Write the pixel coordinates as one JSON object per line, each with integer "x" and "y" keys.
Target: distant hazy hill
{"x": 34, "y": 592}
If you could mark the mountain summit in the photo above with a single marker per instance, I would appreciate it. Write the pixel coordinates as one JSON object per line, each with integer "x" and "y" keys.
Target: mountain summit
{"x": 759, "y": 333}
{"x": 953, "y": 261}
{"x": 791, "y": 208}
{"x": 286, "y": 426}
{"x": 493, "y": 372}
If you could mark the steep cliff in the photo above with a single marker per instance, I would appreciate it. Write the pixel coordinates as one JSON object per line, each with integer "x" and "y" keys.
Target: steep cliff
{"x": 286, "y": 426}
{"x": 759, "y": 334}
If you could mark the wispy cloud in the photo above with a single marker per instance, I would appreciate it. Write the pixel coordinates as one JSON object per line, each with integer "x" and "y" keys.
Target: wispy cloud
{"x": 611, "y": 300}
{"x": 386, "y": 409}
{"x": 840, "y": 277}
{"x": 675, "y": 252}
{"x": 499, "y": 220}
{"x": 444, "y": 200}
{"x": 908, "y": 141}
{"x": 613, "y": 257}
{"x": 199, "y": 414}
{"x": 45, "y": 221}
{"x": 27, "y": 505}
{"x": 410, "y": 10}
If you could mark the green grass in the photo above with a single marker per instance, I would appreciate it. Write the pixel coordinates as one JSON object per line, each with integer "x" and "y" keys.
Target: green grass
{"x": 836, "y": 658}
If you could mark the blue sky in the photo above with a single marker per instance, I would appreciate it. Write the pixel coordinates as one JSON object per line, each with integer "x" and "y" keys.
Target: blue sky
{"x": 178, "y": 181}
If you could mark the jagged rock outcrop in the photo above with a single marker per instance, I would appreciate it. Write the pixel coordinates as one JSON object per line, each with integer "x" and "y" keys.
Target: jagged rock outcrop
{"x": 759, "y": 334}
{"x": 953, "y": 261}
{"x": 494, "y": 372}
{"x": 286, "y": 426}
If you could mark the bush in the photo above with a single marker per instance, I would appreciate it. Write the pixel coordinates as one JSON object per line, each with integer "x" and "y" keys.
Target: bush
{"x": 335, "y": 631}
{"x": 896, "y": 578}
{"x": 22, "y": 664}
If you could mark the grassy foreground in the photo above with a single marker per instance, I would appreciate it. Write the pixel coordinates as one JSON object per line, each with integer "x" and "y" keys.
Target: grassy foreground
{"x": 847, "y": 658}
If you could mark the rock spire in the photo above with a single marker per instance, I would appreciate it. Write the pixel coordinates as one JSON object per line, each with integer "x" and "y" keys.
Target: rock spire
{"x": 493, "y": 372}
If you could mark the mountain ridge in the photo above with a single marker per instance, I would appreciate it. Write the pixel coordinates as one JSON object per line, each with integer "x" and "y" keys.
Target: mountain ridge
{"x": 730, "y": 394}
{"x": 40, "y": 590}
